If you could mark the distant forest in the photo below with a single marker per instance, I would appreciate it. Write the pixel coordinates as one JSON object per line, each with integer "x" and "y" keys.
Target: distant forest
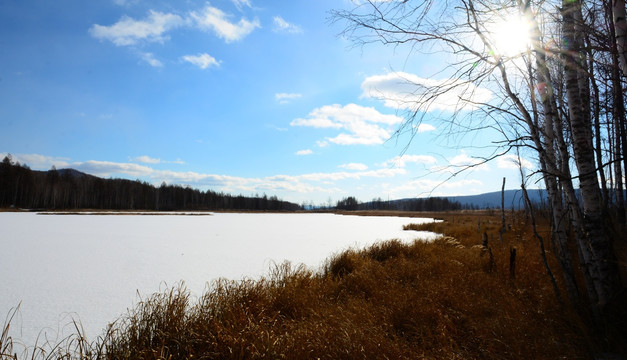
{"x": 423, "y": 204}
{"x": 62, "y": 189}
{"x": 22, "y": 187}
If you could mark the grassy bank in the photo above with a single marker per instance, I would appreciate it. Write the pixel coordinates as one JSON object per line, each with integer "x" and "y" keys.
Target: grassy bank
{"x": 448, "y": 300}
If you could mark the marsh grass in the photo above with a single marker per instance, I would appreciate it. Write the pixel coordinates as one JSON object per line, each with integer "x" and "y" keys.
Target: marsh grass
{"x": 391, "y": 300}
{"x": 73, "y": 346}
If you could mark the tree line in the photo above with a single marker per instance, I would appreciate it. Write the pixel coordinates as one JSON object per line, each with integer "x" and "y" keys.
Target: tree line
{"x": 22, "y": 187}
{"x": 423, "y": 204}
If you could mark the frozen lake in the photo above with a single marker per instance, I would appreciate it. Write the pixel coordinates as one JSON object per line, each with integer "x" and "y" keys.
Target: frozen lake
{"x": 91, "y": 267}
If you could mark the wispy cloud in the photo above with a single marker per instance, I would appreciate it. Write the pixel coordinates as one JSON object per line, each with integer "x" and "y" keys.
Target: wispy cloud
{"x": 402, "y": 90}
{"x": 280, "y": 25}
{"x": 304, "y": 152}
{"x": 149, "y": 58}
{"x": 401, "y": 161}
{"x": 429, "y": 187}
{"x": 354, "y": 166}
{"x": 123, "y": 2}
{"x": 513, "y": 162}
{"x": 277, "y": 128}
{"x": 362, "y": 125}
{"x": 284, "y": 98}
{"x": 215, "y": 20}
{"x": 203, "y": 60}
{"x": 240, "y": 4}
{"x": 343, "y": 175}
{"x": 128, "y": 31}
{"x": 146, "y": 159}
{"x": 150, "y": 160}
{"x": 464, "y": 161}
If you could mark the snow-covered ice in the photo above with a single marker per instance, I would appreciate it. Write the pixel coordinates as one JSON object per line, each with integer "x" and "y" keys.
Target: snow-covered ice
{"x": 92, "y": 268}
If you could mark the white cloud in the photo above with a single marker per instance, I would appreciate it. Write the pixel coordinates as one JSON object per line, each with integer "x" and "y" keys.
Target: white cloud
{"x": 322, "y": 143}
{"x": 108, "y": 168}
{"x": 343, "y": 175}
{"x": 284, "y": 98}
{"x": 149, "y": 160}
{"x": 402, "y": 90}
{"x": 214, "y": 19}
{"x": 128, "y": 31}
{"x": 304, "y": 152}
{"x": 422, "y": 187}
{"x": 425, "y": 127}
{"x": 363, "y": 125}
{"x": 304, "y": 183}
{"x": 150, "y": 59}
{"x": 512, "y": 162}
{"x": 401, "y": 161}
{"x": 146, "y": 159}
{"x": 177, "y": 161}
{"x": 374, "y": 136}
{"x": 203, "y": 60}
{"x": 316, "y": 122}
{"x": 37, "y": 161}
{"x": 298, "y": 183}
{"x": 463, "y": 160}
{"x": 354, "y": 166}
{"x": 280, "y": 25}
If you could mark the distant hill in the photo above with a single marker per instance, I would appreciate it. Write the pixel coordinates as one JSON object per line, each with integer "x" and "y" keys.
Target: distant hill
{"x": 72, "y": 173}
{"x": 513, "y": 199}
{"x": 491, "y": 200}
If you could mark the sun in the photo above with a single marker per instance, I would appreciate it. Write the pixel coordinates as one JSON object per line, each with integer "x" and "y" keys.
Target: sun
{"x": 510, "y": 36}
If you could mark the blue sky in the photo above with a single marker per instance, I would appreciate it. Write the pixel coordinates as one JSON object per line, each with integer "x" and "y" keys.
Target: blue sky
{"x": 241, "y": 96}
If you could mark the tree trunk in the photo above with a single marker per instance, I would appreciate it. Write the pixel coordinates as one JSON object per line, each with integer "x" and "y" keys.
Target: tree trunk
{"x": 553, "y": 172}
{"x": 503, "y": 208}
{"x": 620, "y": 25}
{"x": 597, "y": 126}
{"x": 618, "y": 112}
{"x": 603, "y": 268}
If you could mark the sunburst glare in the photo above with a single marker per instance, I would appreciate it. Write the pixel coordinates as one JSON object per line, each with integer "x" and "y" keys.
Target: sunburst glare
{"x": 511, "y": 35}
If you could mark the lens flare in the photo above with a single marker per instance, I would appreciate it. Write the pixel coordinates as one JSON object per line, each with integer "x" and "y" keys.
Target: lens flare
{"x": 511, "y": 36}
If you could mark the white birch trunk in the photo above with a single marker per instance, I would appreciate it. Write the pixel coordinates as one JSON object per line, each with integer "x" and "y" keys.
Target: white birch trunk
{"x": 598, "y": 249}
{"x": 620, "y": 25}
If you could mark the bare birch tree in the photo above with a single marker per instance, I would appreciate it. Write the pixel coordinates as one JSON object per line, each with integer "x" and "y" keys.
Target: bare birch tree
{"x": 543, "y": 100}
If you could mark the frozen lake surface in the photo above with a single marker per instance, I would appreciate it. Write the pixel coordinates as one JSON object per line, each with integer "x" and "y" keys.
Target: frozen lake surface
{"x": 92, "y": 268}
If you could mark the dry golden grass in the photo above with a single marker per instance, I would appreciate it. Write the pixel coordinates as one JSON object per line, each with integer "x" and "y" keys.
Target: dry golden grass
{"x": 439, "y": 300}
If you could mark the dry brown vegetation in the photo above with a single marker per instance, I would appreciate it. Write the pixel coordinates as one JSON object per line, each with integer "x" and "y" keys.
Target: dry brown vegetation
{"x": 443, "y": 300}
